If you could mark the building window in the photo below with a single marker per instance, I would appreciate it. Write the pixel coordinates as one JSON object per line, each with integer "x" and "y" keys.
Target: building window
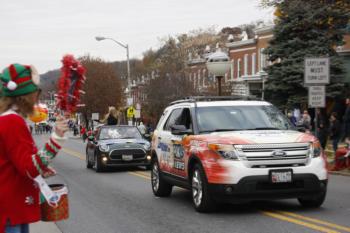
{"x": 232, "y": 68}
{"x": 245, "y": 64}
{"x": 194, "y": 80}
{"x": 199, "y": 78}
{"x": 253, "y": 63}
{"x": 239, "y": 68}
{"x": 204, "y": 78}
{"x": 262, "y": 59}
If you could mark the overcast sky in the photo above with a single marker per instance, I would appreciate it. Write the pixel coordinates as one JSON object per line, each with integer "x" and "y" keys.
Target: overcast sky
{"x": 40, "y": 32}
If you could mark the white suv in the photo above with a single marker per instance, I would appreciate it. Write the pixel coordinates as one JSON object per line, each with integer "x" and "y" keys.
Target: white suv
{"x": 230, "y": 150}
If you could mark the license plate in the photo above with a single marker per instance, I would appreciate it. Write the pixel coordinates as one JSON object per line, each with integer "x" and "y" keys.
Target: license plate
{"x": 127, "y": 157}
{"x": 281, "y": 176}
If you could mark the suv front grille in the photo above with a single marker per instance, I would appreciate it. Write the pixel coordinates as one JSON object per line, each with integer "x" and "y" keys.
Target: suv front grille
{"x": 275, "y": 155}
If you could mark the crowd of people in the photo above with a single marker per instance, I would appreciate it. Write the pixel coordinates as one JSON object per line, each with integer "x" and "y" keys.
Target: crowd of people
{"x": 334, "y": 129}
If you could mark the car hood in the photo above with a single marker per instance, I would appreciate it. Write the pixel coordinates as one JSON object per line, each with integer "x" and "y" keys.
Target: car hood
{"x": 257, "y": 137}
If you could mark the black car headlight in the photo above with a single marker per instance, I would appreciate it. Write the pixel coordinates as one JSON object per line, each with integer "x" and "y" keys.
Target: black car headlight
{"x": 147, "y": 146}
{"x": 104, "y": 148}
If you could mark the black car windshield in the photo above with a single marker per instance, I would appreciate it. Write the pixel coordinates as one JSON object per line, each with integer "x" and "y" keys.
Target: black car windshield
{"x": 119, "y": 132}
{"x": 231, "y": 118}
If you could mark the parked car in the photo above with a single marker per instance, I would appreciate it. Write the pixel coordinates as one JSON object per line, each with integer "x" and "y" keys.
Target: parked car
{"x": 233, "y": 150}
{"x": 117, "y": 146}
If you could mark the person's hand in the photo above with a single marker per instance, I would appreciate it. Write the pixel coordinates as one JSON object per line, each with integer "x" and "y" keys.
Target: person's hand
{"x": 61, "y": 126}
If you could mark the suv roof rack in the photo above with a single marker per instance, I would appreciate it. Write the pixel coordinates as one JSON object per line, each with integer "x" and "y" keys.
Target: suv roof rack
{"x": 213, "y": 98}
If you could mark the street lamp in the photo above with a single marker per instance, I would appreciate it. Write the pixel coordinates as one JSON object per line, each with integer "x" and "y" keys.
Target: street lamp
{"x": 99, "y": 38}
{"x": 218, "y": 64}
{"x": 263, "y": 76}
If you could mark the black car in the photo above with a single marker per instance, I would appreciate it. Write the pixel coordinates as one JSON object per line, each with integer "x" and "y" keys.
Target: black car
{"x": 117, "y": 146}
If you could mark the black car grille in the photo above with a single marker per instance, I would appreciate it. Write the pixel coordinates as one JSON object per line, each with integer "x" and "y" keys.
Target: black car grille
{"x": 136, "y": 153}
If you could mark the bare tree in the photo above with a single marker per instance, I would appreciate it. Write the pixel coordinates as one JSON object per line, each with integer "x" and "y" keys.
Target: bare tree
{"x": 103, "y": 87}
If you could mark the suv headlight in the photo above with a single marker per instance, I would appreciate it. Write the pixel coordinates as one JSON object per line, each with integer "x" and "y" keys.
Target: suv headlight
{"x": 226, "y": 151}
{"x": 104, "y": 148}
{"x": 315, "y": 149}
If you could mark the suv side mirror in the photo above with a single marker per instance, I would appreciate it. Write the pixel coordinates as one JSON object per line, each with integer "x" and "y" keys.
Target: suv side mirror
{"x": 180, "y": 130}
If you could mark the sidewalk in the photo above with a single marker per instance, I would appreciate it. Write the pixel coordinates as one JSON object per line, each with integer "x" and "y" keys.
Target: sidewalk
{"x": 44, "y": 227}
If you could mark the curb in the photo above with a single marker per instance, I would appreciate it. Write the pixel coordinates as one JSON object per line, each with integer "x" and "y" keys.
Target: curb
{"x": 339, "y": 173}
{"x": 44, "y": 227}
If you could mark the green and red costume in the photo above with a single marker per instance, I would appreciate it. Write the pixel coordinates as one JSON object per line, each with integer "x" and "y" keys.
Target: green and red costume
{"x": 20, "y": 163}
{"x": 20, "y": 160}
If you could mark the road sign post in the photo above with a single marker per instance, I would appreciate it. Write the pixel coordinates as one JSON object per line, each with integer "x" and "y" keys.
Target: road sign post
{"x": 316, "y": 76}
{"x": 316, "y": 71}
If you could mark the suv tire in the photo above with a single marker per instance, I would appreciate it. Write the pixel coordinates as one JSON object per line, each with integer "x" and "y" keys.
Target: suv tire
{"x": 160, "y": 187}
{"x": 313, "y": 202}
{"x": 202, "y": 200}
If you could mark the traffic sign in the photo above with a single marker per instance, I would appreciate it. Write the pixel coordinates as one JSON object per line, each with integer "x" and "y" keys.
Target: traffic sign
{"x": 137, "y": 114}
{"x": 130, "y": 112}
{"x": 317, "y": 96}
{"x": 95, "y": 116}
{"x": 316, "y": 71}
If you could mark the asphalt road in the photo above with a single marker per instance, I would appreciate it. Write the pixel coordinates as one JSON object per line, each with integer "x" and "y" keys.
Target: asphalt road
{"x": 121, "y": 200}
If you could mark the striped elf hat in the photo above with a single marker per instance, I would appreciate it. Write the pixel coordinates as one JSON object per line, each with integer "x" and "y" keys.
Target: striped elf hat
{"x": 19, "y": 80}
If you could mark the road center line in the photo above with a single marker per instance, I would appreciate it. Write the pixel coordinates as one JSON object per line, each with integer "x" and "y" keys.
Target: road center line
{"x": 329, "y": 224}
{"x": 73, "y": 153}
{"x": 298, "y": 222}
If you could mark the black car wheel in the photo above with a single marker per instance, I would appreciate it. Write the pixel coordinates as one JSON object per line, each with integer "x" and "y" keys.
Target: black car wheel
{"x": 98, "y": 164}
{"x": 313, "y": 202}
{"x": 159, "y": 186}
{"x": 88, "y": 163}
{"x": 202, "y": 200}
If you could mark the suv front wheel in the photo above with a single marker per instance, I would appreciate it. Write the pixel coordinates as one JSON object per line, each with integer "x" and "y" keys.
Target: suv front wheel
{"x": 313, "y": 202}
{"x": 160, "y": 187}
{"x": 202, "y": 200}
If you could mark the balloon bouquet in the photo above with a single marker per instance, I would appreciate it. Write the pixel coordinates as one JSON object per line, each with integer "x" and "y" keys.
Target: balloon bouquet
{"x": 69, "y": 91}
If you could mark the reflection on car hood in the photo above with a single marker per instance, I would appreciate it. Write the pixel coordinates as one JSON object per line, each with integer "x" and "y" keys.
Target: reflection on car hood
{"x": 259, "y": 136}
{"x": 122, "y": 141}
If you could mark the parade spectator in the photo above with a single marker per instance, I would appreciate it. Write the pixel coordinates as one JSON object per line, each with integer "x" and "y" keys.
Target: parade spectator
{"x": 305, "y": 121}
{"x": 334, "y": 130}
{"x": 346, "y": 119}
{"x": 342, "y": 157}
{"x": 322, "y": 133}
{"x": 83, "y": 133}
{"x": 20, "y": 160}
{"x": 292, "y": 118}
{"x": 322, "y": 129}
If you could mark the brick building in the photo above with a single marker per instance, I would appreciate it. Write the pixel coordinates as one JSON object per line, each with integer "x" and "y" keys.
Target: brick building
{"x": 248, "y": 61}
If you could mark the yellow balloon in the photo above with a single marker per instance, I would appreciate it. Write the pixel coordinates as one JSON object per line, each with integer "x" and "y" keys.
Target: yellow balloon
{"x": 40, "y": 114}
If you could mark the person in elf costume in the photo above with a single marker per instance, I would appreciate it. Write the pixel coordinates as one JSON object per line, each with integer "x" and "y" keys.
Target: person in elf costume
{"x": 20, "y": 160}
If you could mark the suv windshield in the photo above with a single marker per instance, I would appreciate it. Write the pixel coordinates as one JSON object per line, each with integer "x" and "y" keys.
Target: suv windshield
{"x": 119, "y": 133}
{"x": 230, "y": 118}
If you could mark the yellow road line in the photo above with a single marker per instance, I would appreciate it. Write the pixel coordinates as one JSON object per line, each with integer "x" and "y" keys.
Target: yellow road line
{"x": 140, "y": 175}
{"x": 336, "y": 226}
{"x": 74, "y": 153}
{"x": 298, "y": 222}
